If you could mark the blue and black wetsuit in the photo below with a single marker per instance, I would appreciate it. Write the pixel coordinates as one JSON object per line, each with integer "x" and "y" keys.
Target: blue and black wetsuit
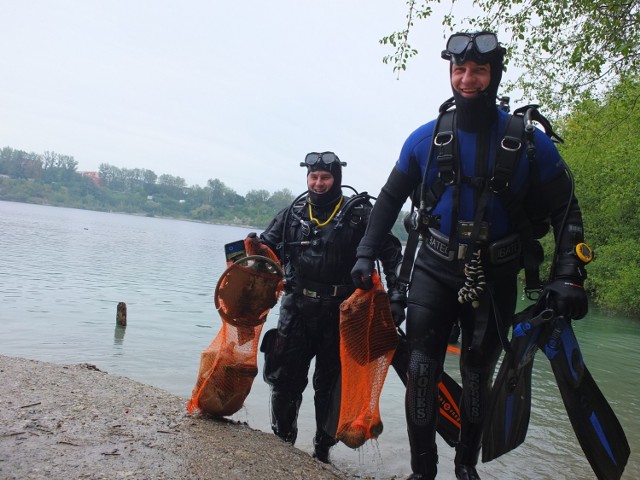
{"x": 544, "y": 190}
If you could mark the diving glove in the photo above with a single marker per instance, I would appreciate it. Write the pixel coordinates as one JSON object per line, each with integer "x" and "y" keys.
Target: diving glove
{"x": 568, "y": 298}
{"x": 398, "y": 301}
{"x": 397, "y": 312}
{"x": 362, "y": 273}
{"x": 566, "y": 291}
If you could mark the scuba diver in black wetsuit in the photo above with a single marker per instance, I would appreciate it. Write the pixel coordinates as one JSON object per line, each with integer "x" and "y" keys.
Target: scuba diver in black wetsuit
{"x": 316, "y": 239}
{"x": 481, "y": 200}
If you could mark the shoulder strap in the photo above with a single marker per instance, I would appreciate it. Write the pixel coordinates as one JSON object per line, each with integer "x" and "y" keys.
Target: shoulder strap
{"x": 297, "y": 204}
{"x": 426, "y": 195}
{"x": 520, "y": 131}
{"x": 343, "y": 215}
{"x": 446, "y": 159}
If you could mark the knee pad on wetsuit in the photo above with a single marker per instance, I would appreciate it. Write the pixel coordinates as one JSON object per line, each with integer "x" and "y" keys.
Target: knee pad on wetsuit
{"x": 422, "y": 389}
{"x": 476, "y": 385}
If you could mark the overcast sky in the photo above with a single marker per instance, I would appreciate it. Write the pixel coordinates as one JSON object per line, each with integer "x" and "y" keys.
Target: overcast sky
{"x": 235, "y": 90}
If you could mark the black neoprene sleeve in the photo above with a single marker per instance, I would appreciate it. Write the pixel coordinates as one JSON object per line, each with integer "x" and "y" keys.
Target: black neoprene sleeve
{"x": 566, "y": 219}
{"x": 385, "y": 212}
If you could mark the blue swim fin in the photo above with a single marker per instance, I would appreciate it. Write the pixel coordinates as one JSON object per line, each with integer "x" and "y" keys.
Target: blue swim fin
{"x": 507, "y": 419}
{"x": 596, "y": 426}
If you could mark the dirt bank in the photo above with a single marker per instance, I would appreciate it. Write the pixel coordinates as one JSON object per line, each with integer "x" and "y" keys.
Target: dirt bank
{"x": 74, "y": 421}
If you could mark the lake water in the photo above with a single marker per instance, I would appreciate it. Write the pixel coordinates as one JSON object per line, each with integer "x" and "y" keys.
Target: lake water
{"x": 63, "y": 272}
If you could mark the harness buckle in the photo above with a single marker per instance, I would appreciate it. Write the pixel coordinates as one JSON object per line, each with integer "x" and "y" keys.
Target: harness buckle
{"x": 443, "y": 138}
{"x": 498, "y": 185}
{"x": 446, "y": 170}
{"x": 511, "y": 144}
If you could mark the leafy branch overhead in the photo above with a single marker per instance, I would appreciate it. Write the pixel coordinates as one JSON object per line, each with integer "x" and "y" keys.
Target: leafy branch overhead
{"x": 563, "y": 51}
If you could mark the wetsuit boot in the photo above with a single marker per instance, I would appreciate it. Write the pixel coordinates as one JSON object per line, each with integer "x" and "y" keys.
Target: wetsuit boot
{"x": 321, "y": 445}
{"x": 466, "y": 457}
{"x": 284, "y": 415}
{"x": 424, "y": 466}
{"x": 465, "y": 463}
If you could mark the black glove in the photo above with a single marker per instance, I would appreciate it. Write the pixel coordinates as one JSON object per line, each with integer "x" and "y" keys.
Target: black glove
{"x": 398, "y": 301}
{"x": 362, "y": 273}
{"x": 567, "y": 297}
{"x": 397, "y": 312}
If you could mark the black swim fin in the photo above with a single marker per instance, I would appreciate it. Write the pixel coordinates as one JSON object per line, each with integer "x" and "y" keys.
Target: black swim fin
{"x": 449, "y": 393}
{"x": 596, "y": 426}
{"x": 507, "y": 419}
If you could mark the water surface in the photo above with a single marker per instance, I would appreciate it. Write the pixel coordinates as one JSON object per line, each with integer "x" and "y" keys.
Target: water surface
{"x": 63, "y": 272}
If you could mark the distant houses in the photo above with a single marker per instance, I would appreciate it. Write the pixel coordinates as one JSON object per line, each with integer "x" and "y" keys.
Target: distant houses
{"x": 94, "y": 176}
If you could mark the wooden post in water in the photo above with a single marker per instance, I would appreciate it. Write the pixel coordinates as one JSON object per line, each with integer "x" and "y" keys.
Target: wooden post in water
{"x": 121, "y": 316}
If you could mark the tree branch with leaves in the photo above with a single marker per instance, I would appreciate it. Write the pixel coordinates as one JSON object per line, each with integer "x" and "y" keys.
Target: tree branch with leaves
{"x": 564, "y": 51}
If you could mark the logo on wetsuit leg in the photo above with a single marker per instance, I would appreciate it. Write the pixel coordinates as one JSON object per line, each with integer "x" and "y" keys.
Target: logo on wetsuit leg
{"x": 421, "y": 389}
{"x": 471, "y": 392}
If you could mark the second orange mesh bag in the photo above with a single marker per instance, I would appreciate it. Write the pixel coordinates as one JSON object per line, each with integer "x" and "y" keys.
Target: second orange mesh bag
{"x": 244, "y": 295}
{"x": 368, "y": 340}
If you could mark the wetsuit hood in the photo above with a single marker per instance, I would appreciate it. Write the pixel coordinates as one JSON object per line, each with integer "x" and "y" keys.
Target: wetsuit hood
{"x": 475, "y": 114}
{"x": 335, "y": 192}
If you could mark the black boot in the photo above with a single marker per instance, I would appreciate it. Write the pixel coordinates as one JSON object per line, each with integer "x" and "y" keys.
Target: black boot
{"x": 321, "y": 452}
{"x": 424, "y": 466}
{"x": 466, "y": 472}
{"x": 321, "y": 445}
{"x": 465, "y": 462}
{"x": 284, "y": 416}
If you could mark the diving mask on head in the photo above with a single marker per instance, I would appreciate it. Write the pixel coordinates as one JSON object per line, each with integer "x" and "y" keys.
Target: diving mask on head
{"x": 479, "y": 47}
{"x": 327, "y": 162}
{"x": 327, "y": 158}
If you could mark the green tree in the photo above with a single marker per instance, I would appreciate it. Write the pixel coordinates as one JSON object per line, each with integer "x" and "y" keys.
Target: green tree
{"x": 20, "y": 164}
{"x": 280, "y": 199}
{"x": 256, "y": 196}
{"x": 221, "y": 195}
{"x": 603, "y": 149}
{"x": 564, "y": 49}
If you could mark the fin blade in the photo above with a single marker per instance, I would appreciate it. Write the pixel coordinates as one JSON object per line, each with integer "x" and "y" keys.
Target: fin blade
{"x": 509, "y": 411}
{"x": 594, "y": 422}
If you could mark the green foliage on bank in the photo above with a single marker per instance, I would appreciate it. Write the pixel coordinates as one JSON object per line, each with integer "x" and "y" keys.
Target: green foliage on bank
{"x": 26, "y": 177}
{"x": 603, "y": 150}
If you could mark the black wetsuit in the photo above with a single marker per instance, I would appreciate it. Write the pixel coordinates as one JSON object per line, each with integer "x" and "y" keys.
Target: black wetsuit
{"x": 317, "y": 261}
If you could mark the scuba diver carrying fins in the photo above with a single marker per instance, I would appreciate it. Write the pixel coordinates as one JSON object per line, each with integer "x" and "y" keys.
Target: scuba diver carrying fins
{"x": 487, "y": 185}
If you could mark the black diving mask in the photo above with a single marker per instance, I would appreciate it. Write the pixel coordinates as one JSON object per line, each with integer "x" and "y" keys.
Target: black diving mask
{"x": 479, "y": 47}
{"x": 327, "y": 158}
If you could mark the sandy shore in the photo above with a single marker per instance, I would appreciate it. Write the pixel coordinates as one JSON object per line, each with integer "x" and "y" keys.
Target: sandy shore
{"x": 76, "y": 422}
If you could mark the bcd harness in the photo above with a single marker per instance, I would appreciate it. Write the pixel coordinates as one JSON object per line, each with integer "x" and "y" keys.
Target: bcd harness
{"x": 346, "y": 213}
{"x": 519, "y": 132}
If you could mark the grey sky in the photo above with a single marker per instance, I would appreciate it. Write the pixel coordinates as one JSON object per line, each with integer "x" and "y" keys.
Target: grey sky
{"x": 239, "y": 91}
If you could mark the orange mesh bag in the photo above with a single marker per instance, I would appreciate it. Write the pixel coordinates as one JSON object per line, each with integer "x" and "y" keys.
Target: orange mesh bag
{"x": 245, "y": 293}
{"x": 368, "y": 340}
